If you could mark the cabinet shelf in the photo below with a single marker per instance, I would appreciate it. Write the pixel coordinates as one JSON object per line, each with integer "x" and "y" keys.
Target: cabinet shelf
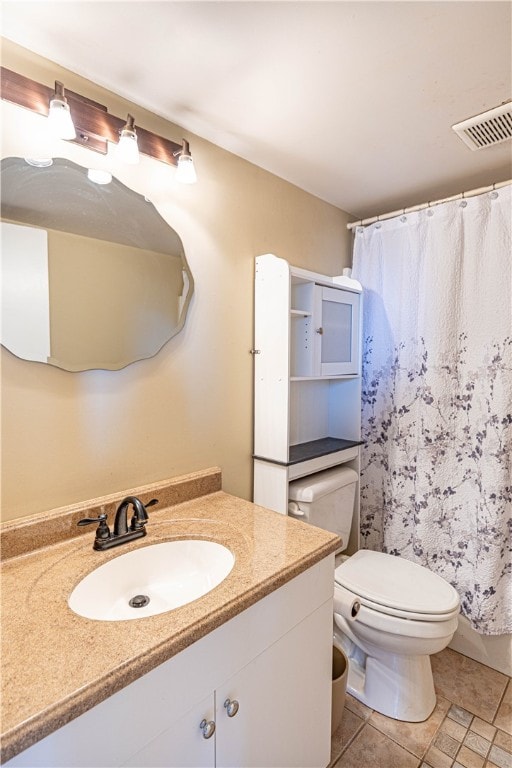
{"x": 300, "y": 313}
{"x": 334, "y": 377}
{"x": 313, "y": 450}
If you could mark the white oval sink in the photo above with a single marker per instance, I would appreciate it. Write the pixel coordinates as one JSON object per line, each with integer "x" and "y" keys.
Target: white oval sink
{"x": 160, "y": 577}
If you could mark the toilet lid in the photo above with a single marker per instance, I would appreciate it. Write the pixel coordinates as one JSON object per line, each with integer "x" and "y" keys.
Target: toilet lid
{"x": 396, "y": 583}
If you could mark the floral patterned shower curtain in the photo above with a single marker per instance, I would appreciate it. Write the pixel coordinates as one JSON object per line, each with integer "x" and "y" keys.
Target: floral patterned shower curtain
{"x": 436, "y": 480}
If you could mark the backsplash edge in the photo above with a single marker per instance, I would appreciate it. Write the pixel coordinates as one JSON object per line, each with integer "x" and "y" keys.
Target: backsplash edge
{"x": 26, "y": 534}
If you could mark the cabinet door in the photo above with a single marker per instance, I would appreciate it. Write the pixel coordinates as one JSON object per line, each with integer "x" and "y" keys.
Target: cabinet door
{"x": 337, "y": 335}
{"x": 284, "y": 698}
{"x": 180, "y": 746}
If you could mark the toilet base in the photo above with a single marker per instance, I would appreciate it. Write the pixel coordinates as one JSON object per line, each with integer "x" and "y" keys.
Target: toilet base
{"x": 400, "y": 687}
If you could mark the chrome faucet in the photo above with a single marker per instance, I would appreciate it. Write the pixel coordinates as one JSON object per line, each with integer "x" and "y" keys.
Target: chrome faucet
{"x": 105, "y": 539}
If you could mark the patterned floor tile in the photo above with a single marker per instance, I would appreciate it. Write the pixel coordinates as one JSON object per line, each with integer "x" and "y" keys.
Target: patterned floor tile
{"x": 483, "y": 729}
{"x": 468, "y": 684}
{"x": 372, "y": 748}
{"x": 503, "y": 740}
{"x": 460, "y": 715}
{"x": 500, "y": 758}
{"x": 415, "y": 737}
{"x": 357, "y": 707}
{"x": 346, "y": 731}
{"x": 477, "y": 743}
{"x": 438, "y": 759}
{"x": 454, "y": 729}
{"x": 470, "y": 759}
{"x": 504, "y": 717}
{"x": 447, "y": 744}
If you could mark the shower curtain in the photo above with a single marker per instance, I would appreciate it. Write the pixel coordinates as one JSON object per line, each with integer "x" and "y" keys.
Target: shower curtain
{"x": 436, "y": 477}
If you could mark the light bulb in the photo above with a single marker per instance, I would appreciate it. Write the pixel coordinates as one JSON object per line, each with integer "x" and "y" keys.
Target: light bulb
{"x": 186, "y": 172}
{"x": 127, "y": 148}
{"x": 59, "y": 115}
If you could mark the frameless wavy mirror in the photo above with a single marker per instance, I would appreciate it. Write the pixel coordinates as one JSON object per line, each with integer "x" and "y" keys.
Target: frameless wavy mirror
{"x": 92, "y": 275}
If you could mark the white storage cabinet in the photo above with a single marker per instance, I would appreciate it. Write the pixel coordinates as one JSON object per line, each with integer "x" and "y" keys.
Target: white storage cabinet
{"x": 307, "y": 378}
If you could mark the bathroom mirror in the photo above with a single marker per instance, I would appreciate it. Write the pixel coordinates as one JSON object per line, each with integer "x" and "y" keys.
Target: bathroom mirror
{"x": 92, "y": 275}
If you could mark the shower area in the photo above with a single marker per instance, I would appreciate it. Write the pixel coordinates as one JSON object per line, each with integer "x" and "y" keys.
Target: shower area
{"x": 436, "y": 470}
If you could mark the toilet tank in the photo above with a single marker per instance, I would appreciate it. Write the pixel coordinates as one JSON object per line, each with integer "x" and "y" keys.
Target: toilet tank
{"x": 325, "y": 499}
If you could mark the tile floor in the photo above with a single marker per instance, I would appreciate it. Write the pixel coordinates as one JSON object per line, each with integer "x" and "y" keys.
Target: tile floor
{"x": 471, "y": 726}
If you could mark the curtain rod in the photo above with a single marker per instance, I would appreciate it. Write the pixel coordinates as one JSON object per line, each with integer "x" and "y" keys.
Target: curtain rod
{"x": 421, "y": 207}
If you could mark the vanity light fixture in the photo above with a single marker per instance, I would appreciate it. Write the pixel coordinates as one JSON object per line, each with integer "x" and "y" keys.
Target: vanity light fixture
{"x": 94, "y": 127}
{"x": 59, "y": 115}
{"x": 186, "y": 172}
{"x": 128, "y": 149}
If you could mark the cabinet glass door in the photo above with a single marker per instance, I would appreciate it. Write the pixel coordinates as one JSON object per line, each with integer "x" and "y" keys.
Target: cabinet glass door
{"x": 338, "y": 333}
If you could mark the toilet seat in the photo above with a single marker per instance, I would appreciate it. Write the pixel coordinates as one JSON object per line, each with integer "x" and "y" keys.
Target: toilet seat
{"x": 397, "y": 587}
{"x": 397, "y": 612}
{"x": 397, "y": 628}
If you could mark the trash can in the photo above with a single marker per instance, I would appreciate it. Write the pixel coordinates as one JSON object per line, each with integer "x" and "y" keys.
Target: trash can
{"x": 339, "y": 686}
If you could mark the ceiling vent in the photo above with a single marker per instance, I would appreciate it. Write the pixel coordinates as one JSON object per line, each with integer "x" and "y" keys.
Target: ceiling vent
{"x": 489, "y": 128}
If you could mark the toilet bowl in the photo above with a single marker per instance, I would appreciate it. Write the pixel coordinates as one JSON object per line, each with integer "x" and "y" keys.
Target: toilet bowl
{"x": 390, "y": 614}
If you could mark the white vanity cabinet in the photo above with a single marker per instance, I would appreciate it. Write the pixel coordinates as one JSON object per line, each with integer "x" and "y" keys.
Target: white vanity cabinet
{"x": 307, "y": 377}
{"x": 274, "y": 723}
{"x": 273, "y": 660}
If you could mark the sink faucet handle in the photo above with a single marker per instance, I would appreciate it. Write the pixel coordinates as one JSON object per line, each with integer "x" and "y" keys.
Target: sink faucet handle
{"x": 103, "y": 531}
{"x": 140, "y": 516}
{"x": 149, "y": 504}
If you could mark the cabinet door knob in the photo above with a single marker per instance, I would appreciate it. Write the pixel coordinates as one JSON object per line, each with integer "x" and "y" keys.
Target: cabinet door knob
{"x": 231, "y": 707}
{"x": 208, "y": 728}
{"x": 319, "y": 330}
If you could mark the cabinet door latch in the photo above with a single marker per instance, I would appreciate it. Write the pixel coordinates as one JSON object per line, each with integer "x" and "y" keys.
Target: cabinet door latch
{"x": 254, "y": 351}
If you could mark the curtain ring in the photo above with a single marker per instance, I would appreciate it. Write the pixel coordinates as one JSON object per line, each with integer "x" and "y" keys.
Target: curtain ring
{"x": 403, "y": 217}
{"x": 463, "y": 203}
{"x": 430, "y": 212}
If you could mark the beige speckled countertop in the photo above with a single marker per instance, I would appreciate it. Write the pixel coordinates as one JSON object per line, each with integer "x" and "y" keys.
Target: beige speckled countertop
{"x": 57, "y": 665}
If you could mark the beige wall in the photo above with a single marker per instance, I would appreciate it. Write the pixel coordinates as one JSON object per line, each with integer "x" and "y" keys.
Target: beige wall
{"x": 72, "y": 436}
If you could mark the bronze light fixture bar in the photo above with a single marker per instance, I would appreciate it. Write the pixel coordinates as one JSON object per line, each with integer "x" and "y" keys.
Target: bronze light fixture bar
{"x": 93, "y": 123}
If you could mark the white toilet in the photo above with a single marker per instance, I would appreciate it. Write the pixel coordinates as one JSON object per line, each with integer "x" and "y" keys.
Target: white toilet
{"x": 390, "y": 614}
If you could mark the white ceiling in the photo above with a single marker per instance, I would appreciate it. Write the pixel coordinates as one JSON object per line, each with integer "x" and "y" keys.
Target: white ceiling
{"x": 352, "y": 101}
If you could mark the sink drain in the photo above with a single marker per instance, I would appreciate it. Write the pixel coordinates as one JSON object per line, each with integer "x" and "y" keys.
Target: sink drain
{"x": 139, "y": 601}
